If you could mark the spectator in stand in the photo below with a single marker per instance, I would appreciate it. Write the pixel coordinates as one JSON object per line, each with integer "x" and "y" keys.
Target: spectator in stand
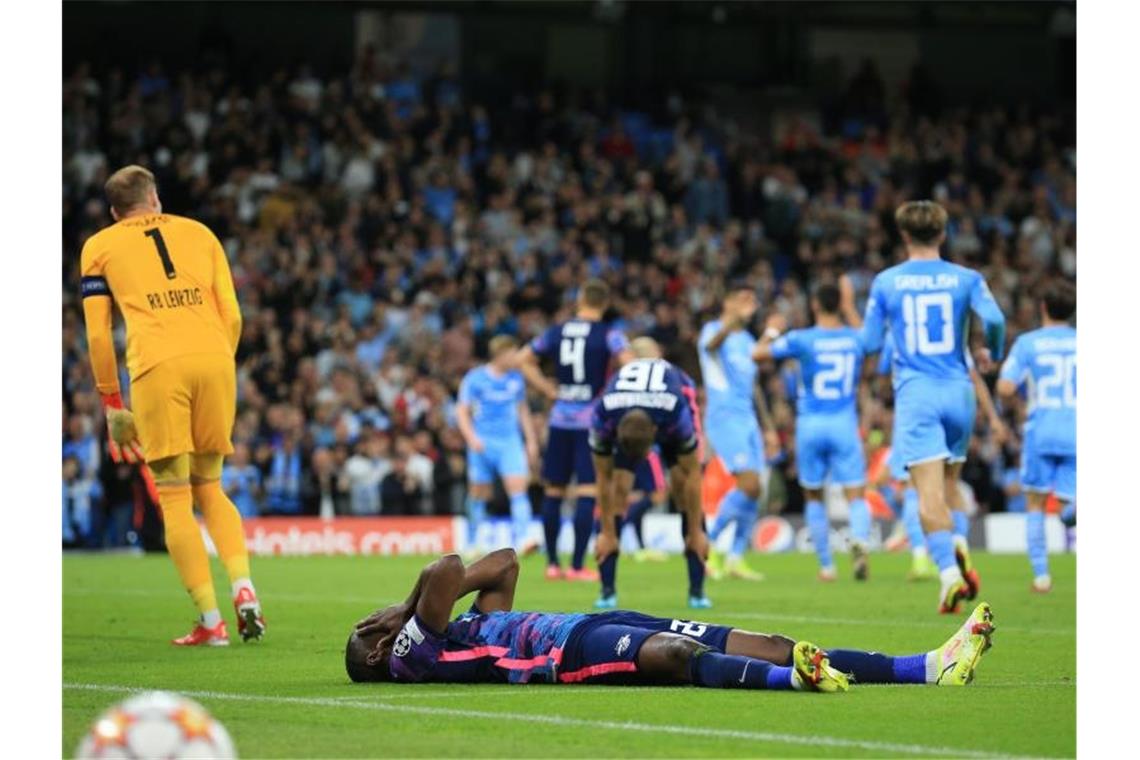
{"x": 382, "y": 229}
{"x": 241, "y": 481}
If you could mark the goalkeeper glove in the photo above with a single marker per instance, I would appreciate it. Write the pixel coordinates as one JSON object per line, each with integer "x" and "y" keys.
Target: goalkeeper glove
{"x": 122, "y": 437}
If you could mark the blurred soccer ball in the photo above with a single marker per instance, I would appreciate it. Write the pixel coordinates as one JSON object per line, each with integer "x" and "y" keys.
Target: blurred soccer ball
{"x": 157, "y": 724}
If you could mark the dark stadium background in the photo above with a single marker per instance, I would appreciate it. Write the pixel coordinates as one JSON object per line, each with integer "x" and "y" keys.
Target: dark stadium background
{"x": 818, "y": 118}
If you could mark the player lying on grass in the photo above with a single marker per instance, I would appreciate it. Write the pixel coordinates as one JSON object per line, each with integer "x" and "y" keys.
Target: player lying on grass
{"x": 418, "y": 641}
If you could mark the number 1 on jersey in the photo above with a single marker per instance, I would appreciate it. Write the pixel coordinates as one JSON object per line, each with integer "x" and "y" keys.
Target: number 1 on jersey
{"x": 155, "y": 234}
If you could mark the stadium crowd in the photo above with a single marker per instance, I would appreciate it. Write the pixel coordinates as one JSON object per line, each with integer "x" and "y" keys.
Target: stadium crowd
{"x": 382, "y": 227}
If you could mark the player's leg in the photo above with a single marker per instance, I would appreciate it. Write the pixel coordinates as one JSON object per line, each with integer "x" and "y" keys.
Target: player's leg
{"x": 956, "y": 502}
{"x": 729, "y": 439}
{"x": 673, "y": 658}
{"x": 557, "y": 467}
{"x": 161, "y": 401}
{"x": 214, "y": 402}
{"x": 848, "y": 467}
{"x": 1066, "y": 492}
{"x": 922, "y": 442}
{"x": 585, "y": 497}
{"x": 921, "y": 566}
{"x": 223, "y": 521}
{"x": 479, "y": 474}
{"x": 512, "y": 467}
{"x": 187, "y": 549}
{"x": 951, "y": 664}
{"x": 685, "y": 488}
{"x": 607, "y": 570}
{"x": 753, "y": 488}
{"x": 815, "y": 515}
{"x": 1037, "y": 478}
{"x": 479, "y": 492}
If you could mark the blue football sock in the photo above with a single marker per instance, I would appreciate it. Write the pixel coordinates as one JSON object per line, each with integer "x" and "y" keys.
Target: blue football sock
{"x": 745, "y": 527}
{"x": 476, "y": 516}
{"x": 961, "y": 523}
{"x": 912, "y": 521}
{"x": 725, "y": 513}
{"x": 816, "y": 517}
{"x": 729, "y": 671}
{"x": 634, "y": 516}
{"x": 694, "y": 565}
{"x": 551, "y": 526}
{"x": 1069, "y": 515}
{"x": 860, "y": 521}
{"x": 608, "y": 571}
{"x": 583, "y": 529}
{"x": 940, "y": 543}
{"x": 521, "y": 514}
{"x": 872, "y": 667}
{"x": 1035, "y": 538}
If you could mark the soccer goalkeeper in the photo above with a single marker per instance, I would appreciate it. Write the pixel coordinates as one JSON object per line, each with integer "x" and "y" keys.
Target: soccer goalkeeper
{"x": 169, "y": 277}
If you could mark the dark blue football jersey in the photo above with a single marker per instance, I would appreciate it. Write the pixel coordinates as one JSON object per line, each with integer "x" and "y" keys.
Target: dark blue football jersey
{"x": 581, "y": 351}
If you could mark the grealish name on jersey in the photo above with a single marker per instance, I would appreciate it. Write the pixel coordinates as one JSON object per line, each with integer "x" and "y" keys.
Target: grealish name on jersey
{"x": 173, "y": 299}
{"x": 666, "y": 401}
{"x": 926, "y": 281}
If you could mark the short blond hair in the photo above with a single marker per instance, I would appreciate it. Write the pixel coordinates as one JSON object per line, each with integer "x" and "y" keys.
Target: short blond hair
{"x": 500, "y": 344}
{"x": 923, "y": 221}
{"x": 129, "y": 187}
{"x": 645, "y": 347}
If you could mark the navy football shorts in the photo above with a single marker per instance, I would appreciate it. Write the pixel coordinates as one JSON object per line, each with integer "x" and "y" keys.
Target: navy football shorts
{"x": 604, "y": 648}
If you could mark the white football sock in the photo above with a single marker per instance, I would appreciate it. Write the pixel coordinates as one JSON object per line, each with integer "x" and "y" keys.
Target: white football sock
{"x": 212, "y": 618}
{"x": 241, "y": 583}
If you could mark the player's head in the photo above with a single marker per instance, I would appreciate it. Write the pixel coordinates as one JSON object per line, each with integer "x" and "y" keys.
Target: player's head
{"x": 594, "y": 295}
{"x": 363, "y": 662}
{"x": 921, "y": 223}
{"x": 1059, "y": 301}
{"x": 740, "y": 299}
{"x": 825, "y": 300}
{"x": 645, "y": 348}
{"x": 130, "y": 190}
{"x": 635, "y": 434}
{"x": 501, "y": 350}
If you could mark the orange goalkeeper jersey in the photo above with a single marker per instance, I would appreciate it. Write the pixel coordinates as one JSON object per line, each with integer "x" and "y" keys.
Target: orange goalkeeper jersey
{"x": 171, "y": 281}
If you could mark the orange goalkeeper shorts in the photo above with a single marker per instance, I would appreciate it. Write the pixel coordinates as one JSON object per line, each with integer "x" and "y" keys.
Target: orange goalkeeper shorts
{"x": 186, "y": 404}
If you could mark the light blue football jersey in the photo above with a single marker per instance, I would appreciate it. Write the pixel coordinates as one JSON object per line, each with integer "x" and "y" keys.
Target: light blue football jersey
{"x": 494, "y": 401}
{"x": 729, "y": 372}
{"x": 1045, "y": 362}
{"x": 926, "y": 307}
{"x": 830, "y": 360}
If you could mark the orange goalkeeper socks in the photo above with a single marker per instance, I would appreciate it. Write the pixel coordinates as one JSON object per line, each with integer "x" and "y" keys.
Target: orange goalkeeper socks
{"x": 185, "y": 544}
{"x": 224, "y": 523}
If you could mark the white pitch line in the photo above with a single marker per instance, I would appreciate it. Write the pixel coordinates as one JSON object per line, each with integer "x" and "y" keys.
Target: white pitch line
{"x": 555, "y": 720}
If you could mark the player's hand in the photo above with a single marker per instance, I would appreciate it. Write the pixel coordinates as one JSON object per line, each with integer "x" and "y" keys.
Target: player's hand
{"x": 984, "y": 361}
{"x": 698, "y": 543}
{"x": 777, "y": 322}
{"x": 387, "y": 619}
{"x": 772, "y": 442}
{"x": 122, "y": 437}
{"x": 476, "y": 445}
{"x": 550, "y": 390}
{"x": 999, "y": 431}
{"x": 605, "y": 545}
{"x": 532, "y": 454}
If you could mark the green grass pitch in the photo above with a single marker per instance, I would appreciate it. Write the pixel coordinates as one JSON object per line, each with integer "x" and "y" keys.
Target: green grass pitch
{"x": 288, "y": 696}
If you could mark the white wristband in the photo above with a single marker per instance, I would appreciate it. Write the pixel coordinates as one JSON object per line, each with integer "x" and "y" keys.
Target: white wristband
{"x": 771, "y": 333}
